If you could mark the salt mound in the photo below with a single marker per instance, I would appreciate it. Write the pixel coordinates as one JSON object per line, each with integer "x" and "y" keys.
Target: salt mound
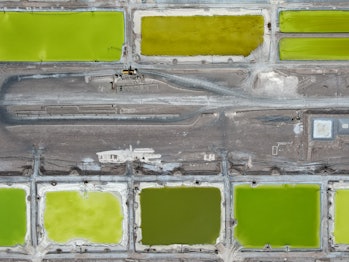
{"x": 273, "y": 84}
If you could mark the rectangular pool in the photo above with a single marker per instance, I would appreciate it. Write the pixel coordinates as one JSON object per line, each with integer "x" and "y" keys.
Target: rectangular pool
{"x": 96, "y": 217}
{"x": 314, "y": 48}
{"x": 311, "y": 21}
{"x": 61, "y": 36}
{"x": 341, "y": 218}
{"x": 277, "y": 215}
{"x": 13, "y": 216}
{"x": 180, "y": 215}
{"x": 201, "y": 35}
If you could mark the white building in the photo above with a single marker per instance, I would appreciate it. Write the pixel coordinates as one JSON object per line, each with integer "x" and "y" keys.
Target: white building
{"x": 145, "y": 155}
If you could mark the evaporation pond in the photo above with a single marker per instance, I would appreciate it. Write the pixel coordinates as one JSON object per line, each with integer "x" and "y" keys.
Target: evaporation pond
{"x": 61, "y": 36}
{"x": 96, "y": 217}
{"x": 13, "y": 216}
{"x": 341, "y": 217}
{"x": 310, "y": 21}
{"x": 277, "y": 215}
{"x": 314, "y": 48}
{"x": 201, "y": 35}
{"x": 180, "y": 215}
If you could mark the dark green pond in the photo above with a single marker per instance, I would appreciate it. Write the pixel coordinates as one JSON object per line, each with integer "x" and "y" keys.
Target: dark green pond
{"x": 180, "y": 215}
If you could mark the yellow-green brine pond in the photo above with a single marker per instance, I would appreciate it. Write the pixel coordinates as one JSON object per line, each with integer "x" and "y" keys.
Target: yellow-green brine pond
{"x": 277, "y": 215}
{"x": 341, "y": 217}
{"x": 320, "y": 48}
{"x": 314, "y": 21}
{"x": 13, "y": 216}
{"x": 201, "y": 35}
{"x": 96, "y": 217}
{"x": 180, "y": 215}
{"x": 61, "y": 36}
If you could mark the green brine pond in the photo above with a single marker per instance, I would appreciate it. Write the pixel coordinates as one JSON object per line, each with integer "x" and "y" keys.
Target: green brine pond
{"x": 314, "y": 21}
{"x": 341, "y": 217}
{"x": 320, "y": 48}
{"x": 277, "y": 215}
{"x": 180, "y": 215}
{"x": 13, "y": 216}
{"x": 61, "y": 36}
{"x": 93, "y": 216}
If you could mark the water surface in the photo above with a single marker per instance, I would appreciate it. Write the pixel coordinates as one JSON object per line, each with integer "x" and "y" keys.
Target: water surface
{"x": 201, "y": 35}
{"x": 314, "y": 48}
{"x": 277, "y": 215}
{"x": 319, "y": 21}
{"x": 61, "y": 36}
{"x": 93, "y": 216}
{"x": 180, "y": 215}
{"x": 341, "y": 221}
{"x": 13, "y": 217}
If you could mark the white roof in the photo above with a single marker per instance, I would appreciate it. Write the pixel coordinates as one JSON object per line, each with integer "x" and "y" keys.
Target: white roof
{"x": 322, "y": 129}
